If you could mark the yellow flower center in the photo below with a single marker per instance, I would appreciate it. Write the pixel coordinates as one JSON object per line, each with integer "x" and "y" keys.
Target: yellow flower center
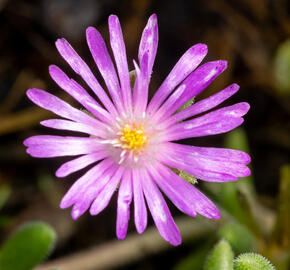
{"x": 133, "y": 137}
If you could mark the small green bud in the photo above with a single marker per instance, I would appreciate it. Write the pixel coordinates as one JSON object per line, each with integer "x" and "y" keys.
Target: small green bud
{"x": 221, "y": 257}
{"x": 252, "y": 261}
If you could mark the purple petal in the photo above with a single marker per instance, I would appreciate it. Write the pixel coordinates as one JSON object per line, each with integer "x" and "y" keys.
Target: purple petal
{"x": 85, "y": 199}
{"x": 160, "y": 212}
{"x": 178, "y": 190}
{"x": 186, "y": 64}
{"x": 59, "y": 107}
{"x": 193, "y": 85}
{"x": 81, "y": 68}
{"x": 200, "y": 163}
{"x": 73, "y": 126}
{"x": 105, "y": 65}
{"x": 119, "y": 51}
{"x": 140, "y": 211}
{"x": 103, "y": 198}
{"x": 78, "y": 93}
{"x": 176, "y": 193}
{"x": 89, "y": 185}
{"x": 173, "y": 186}
{"x": 148, "y": 45}
{"x": 219, "y": 121}
{"x": 54, "y": 146}
{"x": 219, "y": 154}
{"x": 80, "y": 163}
{"x": 123, "y": 205}
{"x": 203, "y": 105}
{"x": 140, "y": 91}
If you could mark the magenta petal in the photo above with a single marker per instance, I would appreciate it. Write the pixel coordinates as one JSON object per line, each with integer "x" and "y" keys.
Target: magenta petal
{"x": 78, "y": 93}
{"x": 186, "y": 64}
{"x": 176, "y": 193}
{"x": 123, "y": 205}
{"x": 105, "y": 65}
{"x": 196, "y": 82}
{"x": 178, "y": 189}
{"x": 54, "y": 146}
{"x": 219, "y": 121}
{"x": 82, "y": 185}
{"x": 148, "y": 45}
{"x": 140, "y": 211}
{"x": 160, "y": 212}
{"x": 103, "y": 198}
{"x": 54, "y": 104}
{"x": 140, "y": 91}
{"x": 203, "y": 105}
{"x": 81, "y": 68}
{"x": 219, "y": 154}
{"x": 79, "y": 163}
{"x": 202, "y": 164}
{"x": 73, "y": 126}
{"x": 119, "y": 51}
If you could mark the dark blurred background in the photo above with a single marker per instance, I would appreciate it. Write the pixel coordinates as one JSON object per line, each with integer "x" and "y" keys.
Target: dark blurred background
{"x": 248, "y": 34}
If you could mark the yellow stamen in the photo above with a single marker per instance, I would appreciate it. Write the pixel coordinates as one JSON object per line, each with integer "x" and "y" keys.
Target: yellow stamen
{"x": 133, "y": 137}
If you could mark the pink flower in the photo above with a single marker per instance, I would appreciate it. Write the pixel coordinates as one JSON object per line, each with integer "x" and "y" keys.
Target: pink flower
{"x": 132, "y": 141}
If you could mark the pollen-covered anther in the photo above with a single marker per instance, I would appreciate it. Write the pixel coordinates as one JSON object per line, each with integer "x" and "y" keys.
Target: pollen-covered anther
{"x": 133, "y": 137}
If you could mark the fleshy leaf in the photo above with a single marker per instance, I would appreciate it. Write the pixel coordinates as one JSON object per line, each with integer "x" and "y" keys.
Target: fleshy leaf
{"x": 221, "y": 257}
{"x": 27, "y": 247}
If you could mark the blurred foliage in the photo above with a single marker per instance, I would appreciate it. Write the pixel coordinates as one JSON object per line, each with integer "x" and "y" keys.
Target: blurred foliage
{"x": 239, "y": 237}
{"x": 282, "y": 68}
{"x": 27, "y": 247}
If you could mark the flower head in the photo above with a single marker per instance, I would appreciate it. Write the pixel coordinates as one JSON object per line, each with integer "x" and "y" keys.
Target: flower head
{"x": 131, "y": 141}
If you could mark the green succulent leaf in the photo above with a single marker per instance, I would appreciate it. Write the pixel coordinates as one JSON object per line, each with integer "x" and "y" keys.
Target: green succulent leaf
{"x": 252, "y": 261}
{"x": 221, "y": 257}
{"x": 239, "y": 237}
{"x": 27, "y": 247}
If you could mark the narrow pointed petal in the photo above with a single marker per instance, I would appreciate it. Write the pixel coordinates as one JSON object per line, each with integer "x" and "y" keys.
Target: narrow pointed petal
{"x": 55, "y": 146}
{"x": 195, "y": 83}
{"x": 201, "y": 163}
{"x": 81, "y": 68}
{"x": 219, "y": 121}
{"x": 85, "y": 199}
{"x": 78, "y": 93}
{"x": 103, "y": 198}
{"x": 140, "y": 91}
{"x": 123, "y": 205}
{"x": 140, "y": 211}
{"x": 186, "y": 64}
{"x": 119, "y": 51}
{"x": 54, "y": 104}
{"x": 148, "y": 45}
{"x": 73, "y": 126}
{"x": 87, "y": 183}
{"x": 80, "y": 163}
{"x": 105, "y": 65}
{"x": 160, "y": 212}
{"x": 203, "y": 105}
{"x": 176, "y": 193}
{"x": 177, "y": 188}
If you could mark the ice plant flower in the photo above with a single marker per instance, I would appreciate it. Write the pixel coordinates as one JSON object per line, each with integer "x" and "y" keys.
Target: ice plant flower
{"x": 132, "y": 141}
